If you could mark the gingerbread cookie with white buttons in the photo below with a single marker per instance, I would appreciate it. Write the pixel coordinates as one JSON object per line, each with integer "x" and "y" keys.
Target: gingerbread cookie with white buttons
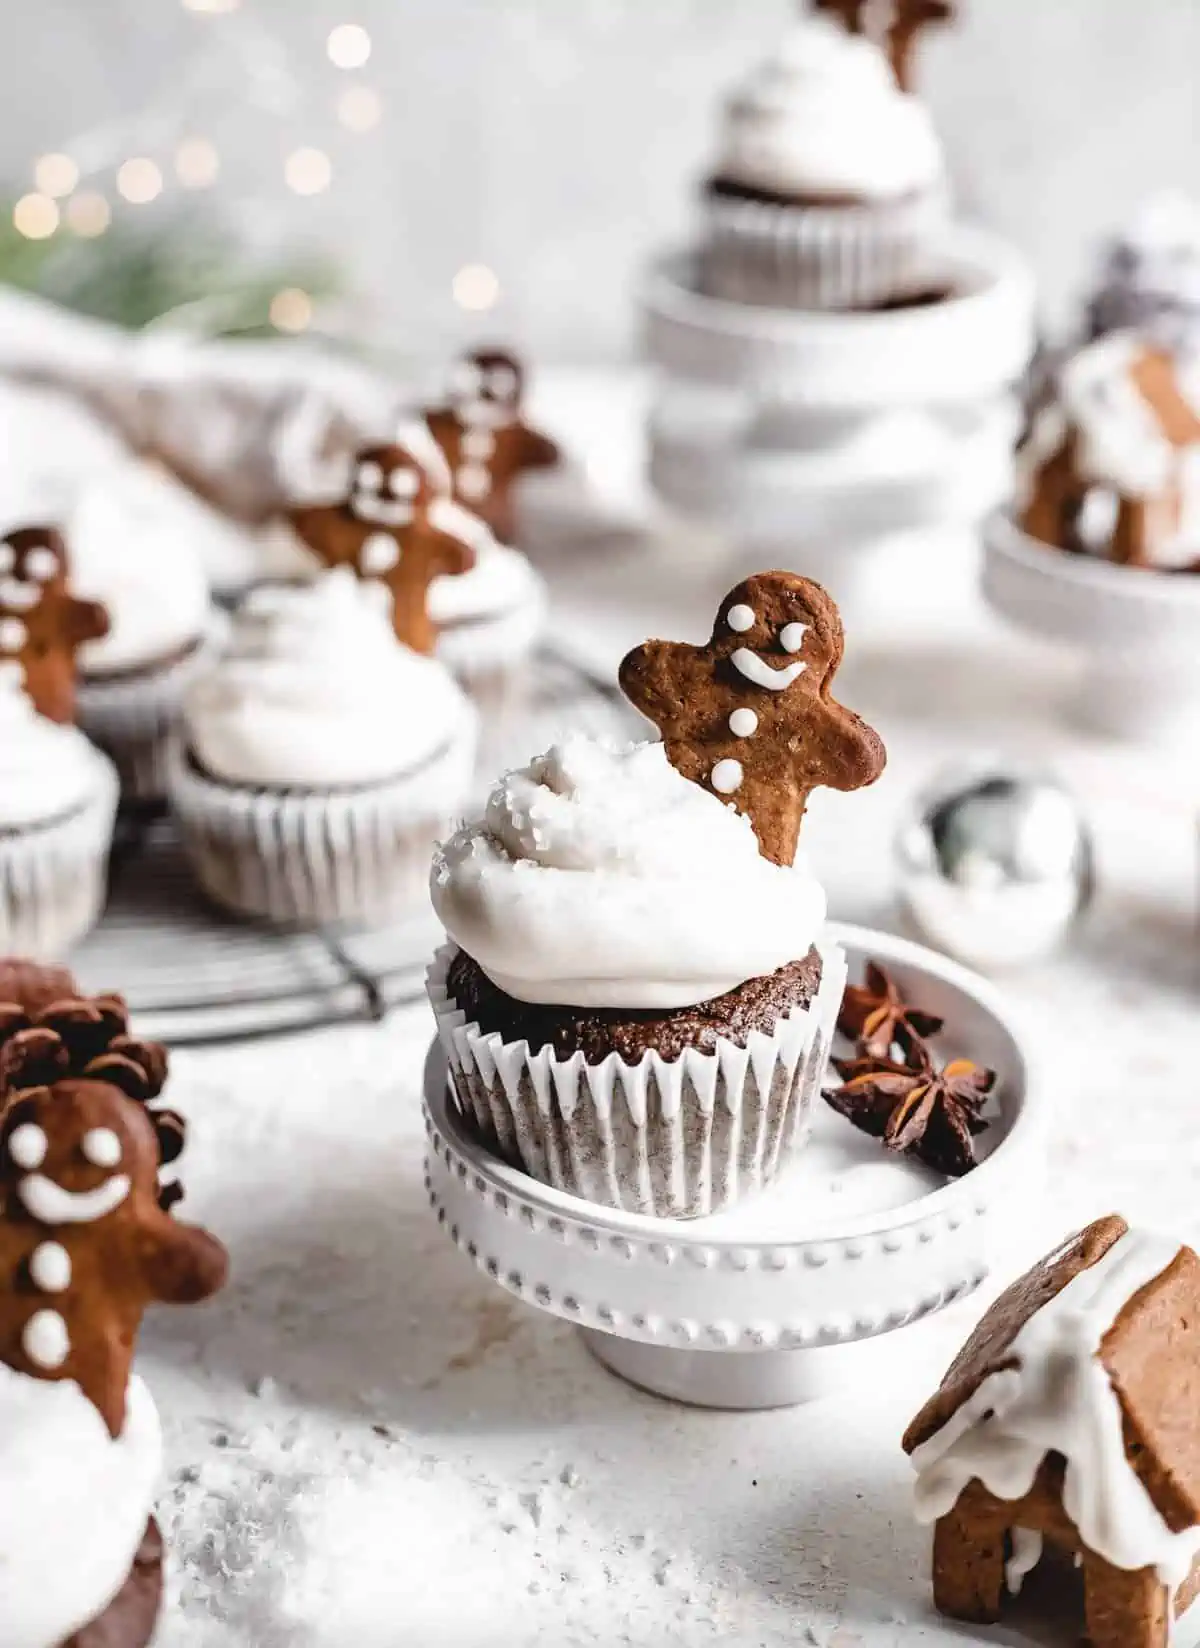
{"x": 42, "y": 624}
{"x": 751, "y": 715}
{"x": 384, "y": 529}
{"x": 87, "y": 1242}
{"x": 484, "y": 436}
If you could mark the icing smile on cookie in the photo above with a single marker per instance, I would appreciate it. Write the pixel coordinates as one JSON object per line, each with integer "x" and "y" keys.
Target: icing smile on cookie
{"x": 755, "y": 668}
{"x": 45, "y": 1200}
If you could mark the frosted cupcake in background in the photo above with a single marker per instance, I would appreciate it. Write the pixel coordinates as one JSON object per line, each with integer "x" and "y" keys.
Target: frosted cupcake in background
{"x": 637, "y": 999}
{"x": 389, "y": 510}
{"x": 829, "y": 190}
{"x": 58, "y": 801}
{"x": 130, "y": 547}
{"x": 321, "y": 760}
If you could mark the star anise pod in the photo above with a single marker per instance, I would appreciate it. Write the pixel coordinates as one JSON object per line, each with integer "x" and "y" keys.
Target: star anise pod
{"x": 915, "y": 1108}
{"x": 877, "y": 1018}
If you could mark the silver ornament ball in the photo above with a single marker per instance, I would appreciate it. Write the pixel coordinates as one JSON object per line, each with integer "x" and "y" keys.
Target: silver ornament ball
{"x": 996, "y": 864}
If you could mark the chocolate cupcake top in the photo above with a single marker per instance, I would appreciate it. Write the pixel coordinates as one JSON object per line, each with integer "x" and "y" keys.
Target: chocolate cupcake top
{"x": 599, "y": 876}
{"x": 316, "y": 692}
{"x": 822, "y": 118}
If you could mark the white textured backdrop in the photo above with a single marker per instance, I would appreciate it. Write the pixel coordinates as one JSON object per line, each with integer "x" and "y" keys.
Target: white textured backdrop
{"x": 555, "y": 141}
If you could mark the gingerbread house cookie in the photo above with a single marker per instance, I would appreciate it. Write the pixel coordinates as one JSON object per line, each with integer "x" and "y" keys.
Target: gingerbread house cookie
{"x": 1111, "y": 465}
{"x": 42, "y": 625}
{"x": 485, "y": 439}
{"x": 1068, "y": 1424}
{"x": 86, "y": 1243}
{"x": 389, "y": 528}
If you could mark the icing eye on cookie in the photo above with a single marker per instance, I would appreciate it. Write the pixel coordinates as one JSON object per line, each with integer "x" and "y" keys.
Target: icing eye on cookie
{"x": 101, "y": 1147}
{"x": 27, "y": 1146}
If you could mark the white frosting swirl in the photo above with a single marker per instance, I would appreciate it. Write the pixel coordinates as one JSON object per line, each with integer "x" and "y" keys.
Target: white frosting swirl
{"x": 46, "y": 770}
{"x": 501, "y": 579}
{"x": 130, "y": 547}
{"x": 600, "y": 877}
{"x": 315, "y": 691}
{"x": 825, "y": 117}
{"x": 69, "y": 1488}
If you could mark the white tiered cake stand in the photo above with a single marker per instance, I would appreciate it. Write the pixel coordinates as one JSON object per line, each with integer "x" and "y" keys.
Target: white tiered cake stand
{"x": 821, "y": 437}
{"x": 797, "y": 1292}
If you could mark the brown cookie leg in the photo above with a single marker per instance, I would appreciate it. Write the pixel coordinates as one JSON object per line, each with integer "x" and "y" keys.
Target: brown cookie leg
{"x": 130, "y": 1618}
{"x": 968, "y": 1565}
{"x": 1125, "y": 1610}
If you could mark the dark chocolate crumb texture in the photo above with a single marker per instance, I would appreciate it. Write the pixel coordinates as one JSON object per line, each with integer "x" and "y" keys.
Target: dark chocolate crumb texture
{"x": 758, "y": 1004}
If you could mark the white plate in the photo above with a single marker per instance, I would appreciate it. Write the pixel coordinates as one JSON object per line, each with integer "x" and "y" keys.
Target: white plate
{"x": 758, "y": 1306}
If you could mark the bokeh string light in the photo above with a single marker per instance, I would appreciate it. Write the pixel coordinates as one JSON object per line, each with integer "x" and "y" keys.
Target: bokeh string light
{"x": 164, "y": 148}
{"x": 139, "y": 180}
{"x": 348, "y": 46}
{"x": 35, "y": 216}
{"x": 56, "y": 175}
{"x": 197, "y": 163}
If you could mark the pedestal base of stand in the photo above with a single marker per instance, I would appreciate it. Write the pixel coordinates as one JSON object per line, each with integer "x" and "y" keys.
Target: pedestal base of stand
{"x": 1137, "y": 701}
{"x": 748, "y": 1380}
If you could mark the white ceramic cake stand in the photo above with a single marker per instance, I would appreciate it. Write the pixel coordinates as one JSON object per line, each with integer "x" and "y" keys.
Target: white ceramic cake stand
{"x": 792, "y": 1295}
{"x": 828, "y": 510}
{"x": 1137, "y": 632}
{"x": 970, "y": 346}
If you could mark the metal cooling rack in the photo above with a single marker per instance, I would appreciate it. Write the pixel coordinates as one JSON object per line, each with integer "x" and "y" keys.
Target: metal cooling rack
{"x": 193, "y": 975}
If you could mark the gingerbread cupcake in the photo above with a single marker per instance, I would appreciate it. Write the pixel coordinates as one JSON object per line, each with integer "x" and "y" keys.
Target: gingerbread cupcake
{"x": 126, "y": 549}
{"x": 87, "y": 1242}
{"x": 481, "y": 608}
{"x": 829, "y": 189}
{"x": 58, "y": 802}
{"x": 321, "y": 759}
{"x": 637, "y": 999}
{"x": 488, "y": 442}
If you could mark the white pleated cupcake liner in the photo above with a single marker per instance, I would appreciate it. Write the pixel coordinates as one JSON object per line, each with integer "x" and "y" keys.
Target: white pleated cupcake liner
{"x": 302, "y": 858}
{"x": 54, "y": 876}
{"x": 671, "y": 1138}
{"x": 135, "y": 718}
{"x": 820, "y": 257}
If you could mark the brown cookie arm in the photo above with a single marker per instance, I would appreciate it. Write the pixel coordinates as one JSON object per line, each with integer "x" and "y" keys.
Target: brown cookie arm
{"x": 852, "y": 753}
{"x": 83, "y": 620}
{"x": 448, "y": 556}
{"x": 538, "y": 451}
{"x": 181, "y": 1263}
{"x": 655, "y": 678}
{"x": 310, "y": 522}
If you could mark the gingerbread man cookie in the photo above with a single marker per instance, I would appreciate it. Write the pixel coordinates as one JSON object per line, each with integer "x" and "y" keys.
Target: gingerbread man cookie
{"x": 84, "y": 1244}
{"x": 384, "y": 530}
{"x": 750, "y": 716}
{"x": 896, "y": 24}
{"x": 485, "y": 441}
{"x": 42, "y": 625}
